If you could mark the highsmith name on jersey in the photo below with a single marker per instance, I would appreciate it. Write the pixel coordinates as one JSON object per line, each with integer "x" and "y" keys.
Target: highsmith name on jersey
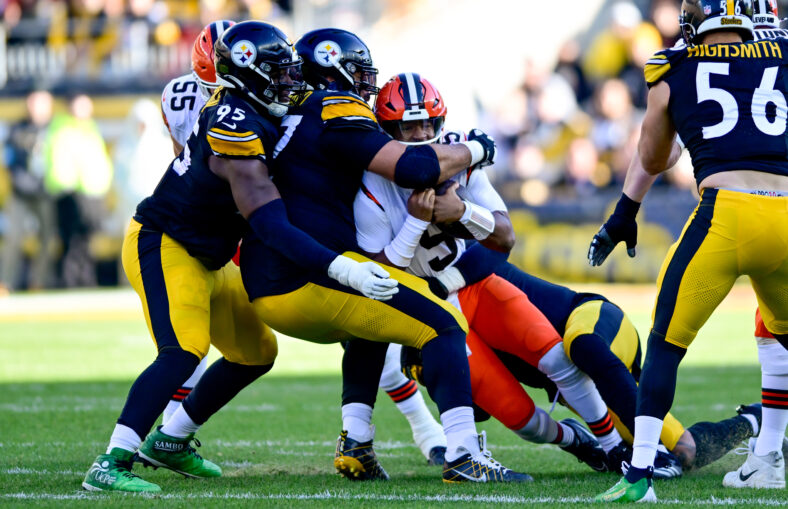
{"x": 729, "y": 106}
{"x": 193, "y": 205}
{"x": 181, "y": 102}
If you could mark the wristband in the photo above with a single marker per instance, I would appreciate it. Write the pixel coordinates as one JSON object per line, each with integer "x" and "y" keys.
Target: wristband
{"x": 477, "y": 151}
{"x": 401, "y": 250}
{"x": 478, "y": 220}
{"x": 627, "y": 207}
{"x": 452, "y": 279}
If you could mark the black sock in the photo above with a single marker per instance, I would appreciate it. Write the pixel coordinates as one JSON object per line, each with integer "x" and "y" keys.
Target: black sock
{"x": 220, "y": 383}
{"x": 362, "y": 365}
{"x": 446, "y": 373}
{"x": 153, "y": 389}
{"x": 714, "y": 439}
{"x": 635, "y": 474}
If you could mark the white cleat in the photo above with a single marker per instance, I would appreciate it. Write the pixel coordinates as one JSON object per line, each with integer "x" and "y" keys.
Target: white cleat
{"x": 760, "y": 472}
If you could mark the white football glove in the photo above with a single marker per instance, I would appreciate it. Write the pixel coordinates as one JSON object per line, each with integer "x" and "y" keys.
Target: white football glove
{"x": 369, "y": 278}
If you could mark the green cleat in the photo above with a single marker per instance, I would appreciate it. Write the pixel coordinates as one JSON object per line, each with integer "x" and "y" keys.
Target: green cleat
{"x": 112, "y": 472}
{"x": 176, "y": 454}
{"x": 624, "y": 491}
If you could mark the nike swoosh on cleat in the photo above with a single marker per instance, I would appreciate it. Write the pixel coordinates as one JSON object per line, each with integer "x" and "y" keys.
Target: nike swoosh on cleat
{"x": 743, "y": 478}
{"x": 481, "y": 478}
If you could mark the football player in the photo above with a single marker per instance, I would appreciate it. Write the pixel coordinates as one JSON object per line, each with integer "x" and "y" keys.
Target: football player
{"x": 181, "y": 102}
{"x": 177, "y": 252}
{"x": 393, "y": 225}
{"x": 739, "y": 227}
{"x": 330, "y": 136}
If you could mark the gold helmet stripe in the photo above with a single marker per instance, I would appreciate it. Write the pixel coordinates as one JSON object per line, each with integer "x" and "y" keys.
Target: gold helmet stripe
{"x": 731, "y": 10}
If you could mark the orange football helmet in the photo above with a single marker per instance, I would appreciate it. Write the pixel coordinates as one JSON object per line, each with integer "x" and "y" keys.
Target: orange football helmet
{"x": 407, "y": 98}
{"x": 203, "y": 67}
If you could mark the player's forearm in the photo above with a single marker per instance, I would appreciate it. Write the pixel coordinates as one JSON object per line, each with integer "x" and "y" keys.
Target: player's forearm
{"x": 502, "y": 238}
{"x": 637, "y": 182}
{"x": 452, "y": 160}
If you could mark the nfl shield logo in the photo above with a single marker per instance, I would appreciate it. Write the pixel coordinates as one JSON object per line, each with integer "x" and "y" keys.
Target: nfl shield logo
{"x": 706, "y": 10}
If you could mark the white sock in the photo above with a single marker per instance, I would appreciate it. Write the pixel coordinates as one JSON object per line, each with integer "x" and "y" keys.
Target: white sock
{"x": 427, "y": 432}
{"x": 644, "y": 447}
{"x": 357, "y": 421}
{"x": 543, "y": 429}
{"x": 185, "y": 389}
{"x": 754, "y": 423}
{"x": 124, "y": 438}
{"x": 460, "y": 430}
{"x": 180, "y": 424}
{"x": 773, "y": 420}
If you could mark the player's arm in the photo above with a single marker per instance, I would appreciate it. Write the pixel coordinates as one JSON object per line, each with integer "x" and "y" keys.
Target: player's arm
{"x": 475, "y": 264}
{"x": 374, "y": 231}
{"x": 658, "y": 133}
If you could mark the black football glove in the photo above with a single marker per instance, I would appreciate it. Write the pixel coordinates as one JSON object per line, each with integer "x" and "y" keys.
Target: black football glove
{"x": 488, "y": 143}
{"x": 620, "y": 226}
{"x": 437, "y": 287}
{"x": 411, "y": 362}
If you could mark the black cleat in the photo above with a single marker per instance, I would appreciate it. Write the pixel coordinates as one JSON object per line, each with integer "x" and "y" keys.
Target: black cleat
{"x": 437, "y": 456}
{"x": 480, "y": 468}
{"x": 622, "y": 453}
{"x": 756, "y": 410}
{"x": 585, "y": 447}
{"x": 357, "y": 460}
{"x": 667, "y": 465}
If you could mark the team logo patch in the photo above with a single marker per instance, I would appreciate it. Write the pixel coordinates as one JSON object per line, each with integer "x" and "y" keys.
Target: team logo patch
{"x": 707, "y": 9}
{"x": 243, "y": 53}
{"x": 328, "y": 53}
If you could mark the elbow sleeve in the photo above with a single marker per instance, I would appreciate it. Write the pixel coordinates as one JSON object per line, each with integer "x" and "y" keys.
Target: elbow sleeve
{"x": 417, "y": 168}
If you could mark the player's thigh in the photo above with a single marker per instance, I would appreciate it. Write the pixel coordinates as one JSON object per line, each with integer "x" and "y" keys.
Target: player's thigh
{"x": 494, "y": 388}
{"x": 506, "y": 319}
{"x": 698, "y": 272}
{"x": 606, "y": 321}
{"x": 236, "y": 330}
{"x": 173, "y": 286}
{"x": 326, "y": 311}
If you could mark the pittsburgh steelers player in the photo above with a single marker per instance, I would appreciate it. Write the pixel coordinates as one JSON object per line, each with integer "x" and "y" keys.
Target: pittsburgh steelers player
{"x": 330, "y": 136}
{"x": 723, "y": 96}
{"x": 176, "y": 254}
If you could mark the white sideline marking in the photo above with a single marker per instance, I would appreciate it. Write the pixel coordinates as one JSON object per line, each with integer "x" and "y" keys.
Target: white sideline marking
{"x": 328, "y": 495}
{"x": 32, "y": 471}
{"x": 35, "y": 408}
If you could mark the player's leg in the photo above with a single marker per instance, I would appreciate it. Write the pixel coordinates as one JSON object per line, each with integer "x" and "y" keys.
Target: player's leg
{"x": 697, "y": 274}
{"x": 427, "y": 433}
{"x": 413, "y": 317}
{"x": 174, "y": 289}
{"x": 248, "y": 347}
{"x": 177, "y": 398}
{"x": 505, "y": 318}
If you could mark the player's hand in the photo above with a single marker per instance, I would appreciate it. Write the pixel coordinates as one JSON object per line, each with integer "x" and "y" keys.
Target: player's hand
{"x": 453, "y": 137}
{"x": 412, "y": 364}
{"x": 368, "y": 278}
{"x": 421, "y": 203}
{"x": 448, "y": 207}
{"x": 488, "y": 144}
{"x": 620, "y": 226}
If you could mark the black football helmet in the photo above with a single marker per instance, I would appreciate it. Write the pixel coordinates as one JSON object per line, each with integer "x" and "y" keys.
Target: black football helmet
{"x": 339, "y": 55}
{"x": 764, "y": 14}
{"x": 259, "y": 61}
{"x": 699, "y": 17}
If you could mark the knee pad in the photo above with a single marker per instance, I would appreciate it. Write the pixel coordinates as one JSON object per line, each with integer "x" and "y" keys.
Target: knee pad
{"x": 773, "y": 358}
{"x": 538, "y": 428}
{"x": 392, "y": 376}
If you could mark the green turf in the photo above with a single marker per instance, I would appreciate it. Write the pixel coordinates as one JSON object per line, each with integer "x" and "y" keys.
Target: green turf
{"x": 62, "y": 384}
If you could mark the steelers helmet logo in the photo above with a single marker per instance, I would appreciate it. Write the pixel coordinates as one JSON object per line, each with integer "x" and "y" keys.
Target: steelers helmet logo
{"x": 328, "y": 53}
{"x": 243, "y": 53}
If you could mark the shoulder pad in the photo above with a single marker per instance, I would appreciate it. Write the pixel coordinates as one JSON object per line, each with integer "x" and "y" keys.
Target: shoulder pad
{"x": 346, "y": 110}
{"x": 658, "y": 66}
{"x": 234, "y": 128}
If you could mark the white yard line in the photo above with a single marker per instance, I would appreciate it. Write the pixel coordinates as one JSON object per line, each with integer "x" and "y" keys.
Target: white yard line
{"x": 328, "y": 495}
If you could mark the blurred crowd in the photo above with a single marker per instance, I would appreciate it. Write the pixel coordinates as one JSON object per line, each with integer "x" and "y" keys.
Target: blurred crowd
{"x": 69, "y": 182}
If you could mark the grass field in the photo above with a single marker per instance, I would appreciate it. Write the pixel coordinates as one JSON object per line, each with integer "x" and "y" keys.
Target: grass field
{"x": 66, "y": 363}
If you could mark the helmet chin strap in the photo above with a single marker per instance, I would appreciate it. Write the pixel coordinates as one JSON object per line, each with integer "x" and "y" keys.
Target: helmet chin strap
{"x": 347, "y": 76}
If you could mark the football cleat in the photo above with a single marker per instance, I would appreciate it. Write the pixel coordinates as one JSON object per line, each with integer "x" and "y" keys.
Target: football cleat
{"x": 176, "y": 454}
{"x": 357, "y": 461}
{"x": 480, "y": 467}
{"x": 437, "y": 456}
{"x": 585, "y": 447}
{"x": 112, "y": 472}
{"x": 624, "y": 491}
{"x": 667, "y": 465}
{"x": 766, "y": 471}
{"x": 622, "y": 453}
{"x": 756, "y": 410}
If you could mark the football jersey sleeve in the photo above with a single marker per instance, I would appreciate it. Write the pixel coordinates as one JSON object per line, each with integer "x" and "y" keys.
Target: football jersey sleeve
{"x": 483, "y": 193}
{"x": 658, "y": 67}
{"x": 180, "y": 107}
{"x": 347, "y": 111}
{"x": 373, "y": 228}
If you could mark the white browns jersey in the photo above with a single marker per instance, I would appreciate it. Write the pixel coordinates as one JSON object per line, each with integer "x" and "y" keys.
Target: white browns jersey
{"x": 181, "y": 102}
{"x": 380, "y": 210}
{"x": 770, "y": 33}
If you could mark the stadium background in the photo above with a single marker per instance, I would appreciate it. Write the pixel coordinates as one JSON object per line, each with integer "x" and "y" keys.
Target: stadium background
{"x": 559, "y": 85}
